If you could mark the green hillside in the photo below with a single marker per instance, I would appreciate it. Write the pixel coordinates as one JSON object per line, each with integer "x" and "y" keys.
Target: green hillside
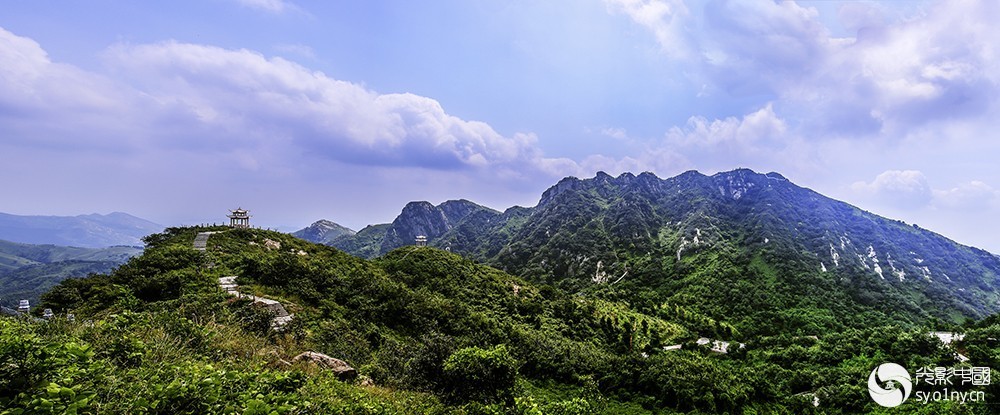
{"x": 428, "y": 331}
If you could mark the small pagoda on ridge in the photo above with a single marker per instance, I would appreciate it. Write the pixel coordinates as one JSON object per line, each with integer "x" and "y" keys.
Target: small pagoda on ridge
{"x": 239, "y": 218}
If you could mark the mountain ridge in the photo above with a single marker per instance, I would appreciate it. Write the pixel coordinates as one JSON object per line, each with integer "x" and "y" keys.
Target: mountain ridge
{"x": 770, "y": 235}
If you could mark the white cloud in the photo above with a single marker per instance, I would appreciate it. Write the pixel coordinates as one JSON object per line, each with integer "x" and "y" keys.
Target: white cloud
{"x": 42, "y": 102}
{"x": 754, "y": 47}
{"x": 272, "y": 6}
{"x": 231, "y": 111}
{"x": 907, "y": 183}
{"x": 964, "y": 211}
{"x": 617, "y": 133}
{"x": 210, "y": 126}
{"x": 760, "y": 125}
{"x": 707, "y": 145}
{"x": 861, "y": 16}
{"x": 664, "y": 18}
{"x": 974, "y": 195}
{"x": 32, "y": 81}
{"x": 936, "y": 67}
{"x": 891, "y": 78}
{"x": 910, "y": 189}
{"x": 197, "y": 97}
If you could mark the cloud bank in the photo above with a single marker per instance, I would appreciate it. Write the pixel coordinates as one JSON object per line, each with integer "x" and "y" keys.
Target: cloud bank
{"x": 939, "y": 65}
{"x": 910, "y": 189}
{"x": 191, "y": 97}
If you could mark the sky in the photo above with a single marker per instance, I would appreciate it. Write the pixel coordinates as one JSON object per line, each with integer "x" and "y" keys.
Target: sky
{"x": 346, "y": 110}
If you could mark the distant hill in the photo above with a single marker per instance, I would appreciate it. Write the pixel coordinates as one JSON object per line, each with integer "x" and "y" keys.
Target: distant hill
{"x": 417, "y": 218}
{"x": 91, "y": 231}
{"x": 323, "y": 232}
{"x": 27, "y": 271}
{"x": 366, "y": 243}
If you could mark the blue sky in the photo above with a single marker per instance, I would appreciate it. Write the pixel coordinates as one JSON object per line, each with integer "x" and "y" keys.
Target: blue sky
{"x": 346, "y": 110}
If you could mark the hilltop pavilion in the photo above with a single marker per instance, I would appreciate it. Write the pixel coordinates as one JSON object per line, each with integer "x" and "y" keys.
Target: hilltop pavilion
{"x": 239, "y": 218}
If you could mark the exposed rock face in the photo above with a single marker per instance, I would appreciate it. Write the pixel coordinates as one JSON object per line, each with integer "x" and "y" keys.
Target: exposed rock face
{"x": 339, "y": 367}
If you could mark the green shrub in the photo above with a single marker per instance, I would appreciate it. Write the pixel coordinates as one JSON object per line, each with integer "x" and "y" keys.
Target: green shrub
{"x": 475, "y": 374}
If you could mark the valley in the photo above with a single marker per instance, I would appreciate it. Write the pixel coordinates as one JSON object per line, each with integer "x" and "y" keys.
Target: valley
{"x": 27, "y": 271}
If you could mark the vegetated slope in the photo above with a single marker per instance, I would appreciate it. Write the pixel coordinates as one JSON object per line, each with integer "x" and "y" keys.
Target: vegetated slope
{"x": 91, "y": 231}
{"x": 30, "y": 282}
{"x": 27, "y": 271}
{"x": 436, "y": 332}
{"x": 751, "y": 249}
{"x": 754, "y": 250}
{"x": 397, "y": 319}
{"x": 322, "y": 232}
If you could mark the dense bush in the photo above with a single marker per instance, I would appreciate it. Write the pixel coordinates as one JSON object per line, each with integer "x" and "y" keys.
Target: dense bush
{"x": 481, "y": 375}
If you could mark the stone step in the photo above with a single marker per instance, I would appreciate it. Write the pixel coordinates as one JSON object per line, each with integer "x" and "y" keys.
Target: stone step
{"x": 201, "y": 240}
{"x": 281, "y": 315}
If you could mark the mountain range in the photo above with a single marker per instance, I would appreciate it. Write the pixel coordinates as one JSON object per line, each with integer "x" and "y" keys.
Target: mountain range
{"x": 90, "y": 231}
{"x": 752, "y": 249}
{"x": 430, "y": 331}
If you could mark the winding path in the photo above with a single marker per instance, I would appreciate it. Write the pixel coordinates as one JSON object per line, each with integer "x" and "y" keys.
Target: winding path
{"x": 281, "y": 316}
{"x": 228, "y": 284}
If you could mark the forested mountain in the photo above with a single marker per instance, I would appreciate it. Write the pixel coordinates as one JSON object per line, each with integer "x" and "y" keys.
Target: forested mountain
{"x": 754, "y": 250}
{"x": 429, "y": 332}
{"x": 91, "y": 231}
{"x": 27, "y": 271}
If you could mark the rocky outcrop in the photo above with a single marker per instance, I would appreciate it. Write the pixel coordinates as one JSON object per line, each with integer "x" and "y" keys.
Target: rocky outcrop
{"x": 339, "y": 367}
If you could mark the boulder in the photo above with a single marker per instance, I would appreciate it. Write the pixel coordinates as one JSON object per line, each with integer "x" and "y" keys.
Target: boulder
{"x": 339, "y": 367}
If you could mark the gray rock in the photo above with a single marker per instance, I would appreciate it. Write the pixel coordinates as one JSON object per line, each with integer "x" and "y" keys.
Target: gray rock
{"x": 343, "y": 370}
